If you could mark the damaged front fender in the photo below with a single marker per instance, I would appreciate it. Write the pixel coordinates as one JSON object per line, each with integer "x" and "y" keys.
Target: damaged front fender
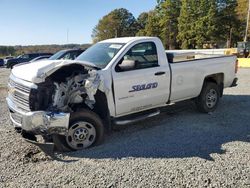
{"x": 94, "y": 82}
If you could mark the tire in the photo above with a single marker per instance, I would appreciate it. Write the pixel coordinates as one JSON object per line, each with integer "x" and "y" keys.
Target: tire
{"x": 85, "y": 130}
{"x": 10, "y": 66}
{"x": 209, "y": 98}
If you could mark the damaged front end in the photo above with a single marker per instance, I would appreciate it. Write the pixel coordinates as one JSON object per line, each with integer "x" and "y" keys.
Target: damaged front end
{"x": 38, "y": 122}
{"x": 77, "y": 89}
{"x": 45, "y": 109}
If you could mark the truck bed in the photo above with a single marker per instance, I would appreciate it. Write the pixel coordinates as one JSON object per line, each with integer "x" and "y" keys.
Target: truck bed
{"x": 189, "y": 56}
{"x": 188, "y": 73}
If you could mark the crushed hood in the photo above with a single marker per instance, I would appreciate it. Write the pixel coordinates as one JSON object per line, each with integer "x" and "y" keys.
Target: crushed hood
{"x": 37, "y": 72}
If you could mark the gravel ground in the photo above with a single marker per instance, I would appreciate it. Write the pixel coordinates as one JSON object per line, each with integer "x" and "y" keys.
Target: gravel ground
{"x": 180, "y": 148}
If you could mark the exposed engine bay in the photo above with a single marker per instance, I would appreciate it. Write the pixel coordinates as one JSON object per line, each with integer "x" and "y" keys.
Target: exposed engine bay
{"x": 65, "y": 88}
{"x": 73, "y": 91}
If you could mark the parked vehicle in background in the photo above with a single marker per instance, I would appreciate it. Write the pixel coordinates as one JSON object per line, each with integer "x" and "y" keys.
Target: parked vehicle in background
{"x": 6, "y": 58}
{"x": 243, "y": 49}
{"x": 70, "y": 54}
{"x": 1, "y": 62}
{"x": 44, "y": 57}
{"x": 115, "y": 82}
{"x": 9, "y": 57}
{"x": 23, "y": 58}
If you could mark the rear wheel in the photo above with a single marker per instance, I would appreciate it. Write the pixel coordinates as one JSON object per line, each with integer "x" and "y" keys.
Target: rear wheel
{"x": 209, "y": 98}
{"x": 85, "y": 130}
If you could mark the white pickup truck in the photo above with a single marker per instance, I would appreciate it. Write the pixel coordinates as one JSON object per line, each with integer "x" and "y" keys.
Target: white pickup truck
{"x": 116, "y": 81}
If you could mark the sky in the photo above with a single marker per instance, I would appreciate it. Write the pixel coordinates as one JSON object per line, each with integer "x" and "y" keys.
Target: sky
{"x": 36, "y": 22}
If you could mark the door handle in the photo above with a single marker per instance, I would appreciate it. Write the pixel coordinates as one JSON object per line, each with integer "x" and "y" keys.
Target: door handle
{"x": 159, "y": 73}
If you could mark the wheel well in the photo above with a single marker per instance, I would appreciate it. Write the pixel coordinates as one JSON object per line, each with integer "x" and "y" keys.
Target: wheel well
{"x": 100, "y": 105}
{"x": 100, "y": 108}
{"x": 217, "y": 79}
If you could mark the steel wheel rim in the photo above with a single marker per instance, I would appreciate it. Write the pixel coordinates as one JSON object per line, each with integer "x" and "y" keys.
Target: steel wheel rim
{"x": 211, "y": 98}
{"x": 81, "y": 135}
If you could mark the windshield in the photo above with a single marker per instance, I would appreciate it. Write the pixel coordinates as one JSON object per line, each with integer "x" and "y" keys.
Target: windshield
{"x": 57, "y": 55}
{"x": 100, "y": 54}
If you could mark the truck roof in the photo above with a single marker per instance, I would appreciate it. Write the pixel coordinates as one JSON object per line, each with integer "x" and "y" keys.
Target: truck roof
{"x": 125, "y": 39}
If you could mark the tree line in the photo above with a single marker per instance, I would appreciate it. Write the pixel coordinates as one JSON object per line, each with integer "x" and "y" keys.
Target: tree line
{"x": 18, "y": 50}
{"x": 182, "y": 24}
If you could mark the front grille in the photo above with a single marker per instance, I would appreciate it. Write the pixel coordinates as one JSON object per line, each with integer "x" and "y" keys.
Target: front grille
{"x": 19, "y": 86}
{"x": 19, "y": 95}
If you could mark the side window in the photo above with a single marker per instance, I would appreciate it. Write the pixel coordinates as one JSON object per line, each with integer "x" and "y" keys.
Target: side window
{"x": 74, "y": 55}
{"x": 66, "y": 56}
{"x": 71, "y": 55}
{"x": 140, "y": 56}
{"x": 25, "y": 56}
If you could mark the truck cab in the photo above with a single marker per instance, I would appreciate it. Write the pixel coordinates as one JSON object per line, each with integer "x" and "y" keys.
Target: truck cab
{"x": 140, "y": 74}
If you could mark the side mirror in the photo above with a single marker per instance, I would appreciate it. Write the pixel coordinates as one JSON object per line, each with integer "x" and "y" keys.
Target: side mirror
{"x": 127, "y": 65}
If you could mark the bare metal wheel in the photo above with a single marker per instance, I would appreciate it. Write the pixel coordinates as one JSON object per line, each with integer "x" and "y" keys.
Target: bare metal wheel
{"x": 81, "y": 135}
{"x": 211, "y": 98}
{"x": 85, "y": 130}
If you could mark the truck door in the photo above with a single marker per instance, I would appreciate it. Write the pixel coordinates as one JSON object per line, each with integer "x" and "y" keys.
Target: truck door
{"x": 139, "y": 81}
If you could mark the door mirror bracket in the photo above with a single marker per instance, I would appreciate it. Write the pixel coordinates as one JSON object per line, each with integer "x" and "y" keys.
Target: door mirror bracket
{"x": 127, "y": 65}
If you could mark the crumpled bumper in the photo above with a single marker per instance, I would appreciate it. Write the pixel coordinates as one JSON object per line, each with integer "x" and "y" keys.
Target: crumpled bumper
{"x": 39, "y": 122}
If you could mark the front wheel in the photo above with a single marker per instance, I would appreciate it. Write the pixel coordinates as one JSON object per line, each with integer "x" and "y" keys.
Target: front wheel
{"x": 209, "y": 98}
{"x": 85, "y": 130}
